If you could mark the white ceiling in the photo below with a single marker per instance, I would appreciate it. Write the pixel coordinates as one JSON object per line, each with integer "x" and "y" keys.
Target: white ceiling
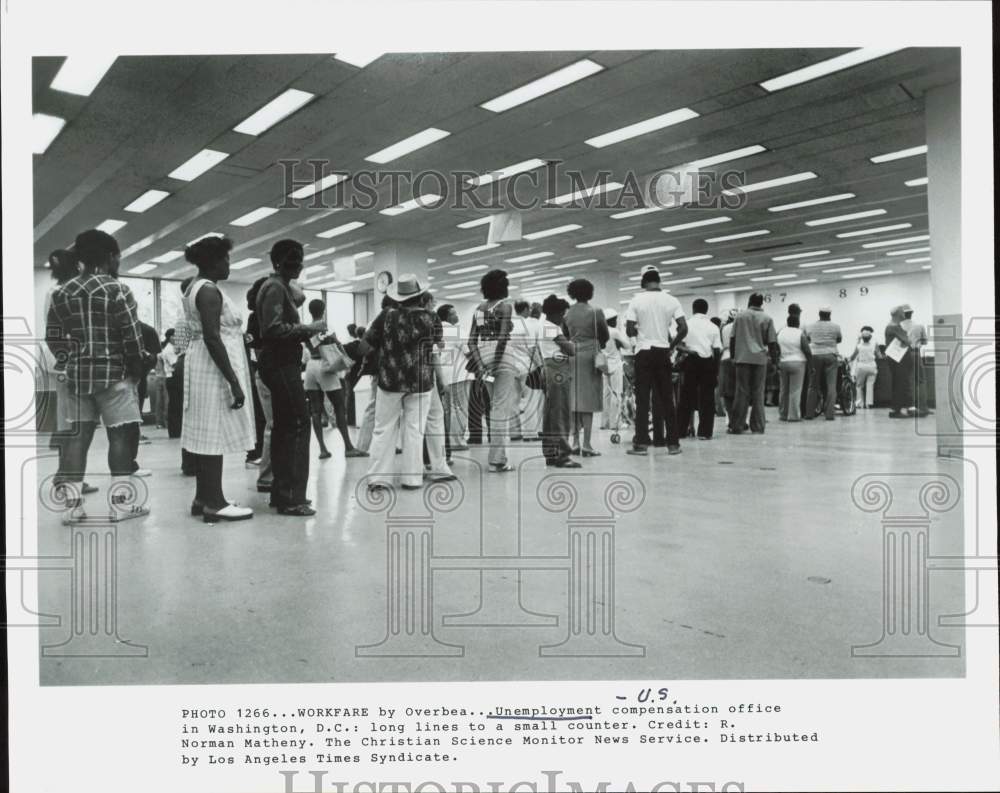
{"x": 150, "y": 114}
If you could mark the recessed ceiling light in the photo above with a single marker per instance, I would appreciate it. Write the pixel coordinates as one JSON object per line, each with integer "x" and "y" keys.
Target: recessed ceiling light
{"x": 80, "y": 74}
{"x": 686, "y": 259}
{"x": 473, "y": 223}
{"x": 413, "y": 203}
{"x": 728, "y": 266}
{"x": 868, "y": 213}
{"x": 692, "y": 279}
{"x": 316, "y": 254}
{"x": 789, "y": 256}
{"x": 203, "y": 161}
{"x": 829, "y": 66}
{"x": 139, "y": 269}
{"x": 274, "y": 111}
{"x": 734, "y": 289}
{"x": 359, "y": 58}
{"x": 605, "y": 187}
{"x": 522, "y": 274}
{"x": 812, "y": 202}
{"x": 342, "y": 229}
{"x": 573, "y": 264}
{"x": 318, "y": 186}
{"x": 544, "y": 85}
{"x": 828, "y": 261}
{"x": 742, "y": 273}
{"x": 918, "y": 260}
{"x": 529, "y": 257}
{"x": 167, "y": 257}
{"x": 242, "y": 264}
{"x": 879, "y": 230}
{"x": 744, "y": 235}
{"x": 537, "y": 235}
{"x": 44, "y": 129}
{"x": 770, "y": 277}
{"x": 899, "y": 155}
{"x": 147, "y": 200}
{"x": 900, "y": 241}
{"x": 916, "y": 182}
{"x": 868, "y": 274}
{"x": 907, "y": 251}
{"x": 471, "y": 269}
{"x": 796, "y": 283}
{"x": 649, "y": 251}
{"x": 606, "y": 241}
{"x": 642, "y": 127}
{"x": 631, "y": 213}
{"x": 506, "y": 172}
{"x": 407, "y": 145}
{"x": 735, "y": 154}
{"x": 110, "y": 226}
{"x": 849, "y": 268}
{"x": 769, "y": 183}
{"x": 696, "y": 224}
{"x": 477, "y": 249}
{"x": 252, "y": 217}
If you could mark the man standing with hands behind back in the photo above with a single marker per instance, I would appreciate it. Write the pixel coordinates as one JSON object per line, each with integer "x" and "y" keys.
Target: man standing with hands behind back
{"x": 753, "y": 339}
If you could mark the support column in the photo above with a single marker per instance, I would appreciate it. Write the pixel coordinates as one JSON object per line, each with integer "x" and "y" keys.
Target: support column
{"x": 398, "y": 257}
{"x": 606, "y": 294}
{"x": 944, "y": 212}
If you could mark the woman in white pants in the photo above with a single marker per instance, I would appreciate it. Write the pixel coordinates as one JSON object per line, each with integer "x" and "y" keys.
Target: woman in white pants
{"x": 864, "y": 359}
{"x": 614, "y": 380}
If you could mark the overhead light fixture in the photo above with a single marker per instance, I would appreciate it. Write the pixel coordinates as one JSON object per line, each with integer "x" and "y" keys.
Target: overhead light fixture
{"x": 471, "y": 269}
{"x": 204, "y": 236}
{"x": 413, "y": 203}
{"x": 252, "y": 217}
{"x": 431, "y": 261}
{"x": 318, "y": 186}
{"x": 918, "y": 260}
{"x": 907, "y": 251}
{"x": 735, "y": 154}
{"x": 687, "y": 259}
{"x": 166, "y": 258}
{"x": 916, "y": 182}
{"x": 139, "y": 269}
{"x": 868, "y": 213}
{"x": 845, "y": 260}
{"x": 879, "y": 230}
{"x": 790, "y": 256}
{"x": 336, "y": 231}
{"x": 639, "y": 277}
{"x": 649, "y": 251}
{"x": 758, "y": 271}
{"x": 925, "y": 267}
{"x": 407, "y": 145}
{"x": 743, "y": 236}
{"x": 203, "y": 161}
{"x": 44, "y": 130}
{"x": 537, "y": 235}
{"x": 363, "y": 255}
{"x": 812, "y": 202}
{"x": 242, "y": 264}
{"x": 80, "y": 74}
{"x": 728, "y": 266}
{"x": 734, "y": 289}
{"x": 147, "y": 200}
{"x": 642, "y": 127}
{"x": 900, "y": 241}
{"x": 868, "y": 274}
{"x": 361, "y": 276}
{"x": 461, "y": 295}
{"x": 359, "y": 58}
{"x": 796, "y": 283}
{"x": 477, "y": 249}
{"x": 313, "y": 268}
{"x": 329, "y": 285}
{"x": 631, "y": 213}
{"x": 529, "y": 257}
{"x": 605, "y": 187}
{"x": 543, "y": 85}
{"x": 696, "y": 224}
{"x": 849, "y": 268}
{"x": 771, "y": 277}
{"x": 522, "y": 274}
{"x": 629, "y": 288}
{"x": 899, "y": 155}
{"x": 110, "y": 226}
{"x": 506, "y": 172}
{"x": 605, "y": 241}
{"x": 279, "y": 108}
{"x": 317, "y": 254}
{"x": 461, "y": 284}
{"x": 567, "y": 265}
{"x": 690, "y": 280}
{"x": 829, "y": 66}
{"x": 473, "y": 223}
{"x": 769, "y": 183}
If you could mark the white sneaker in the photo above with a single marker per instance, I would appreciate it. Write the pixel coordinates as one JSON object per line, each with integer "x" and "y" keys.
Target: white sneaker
{"x": 228, "y": 512}
{"x": 127, "y": 512}
{"x": 142, "y": 472}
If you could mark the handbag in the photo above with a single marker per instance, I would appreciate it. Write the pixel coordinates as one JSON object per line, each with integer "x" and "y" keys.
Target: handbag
{"x": 600, "y": 357}
{"x": 334, "y": 359}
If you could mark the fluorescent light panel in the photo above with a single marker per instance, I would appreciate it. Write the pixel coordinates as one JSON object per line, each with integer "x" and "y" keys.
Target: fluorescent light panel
{"x": 918, "y": 260}
{"x": 790, "y": 256}
{"x": 868, "y": 274}
{"x": 471, "y": 269}
{"x": 849, "y": 268}
{"x": 318, "y": 186}
{"x": 916, "y": 182}
{"x": 742, "y": 236}
{"x": 110, "y": 226}
{"x": 696, "y": 224}
{"x": 686, "y": 259}
{"x": 734, "y": 289}
{"x": 769, "y": 183}
{"x": 729, "y": 266}
{"x": 605, "y": 241}
{"x": 649, "y": 251}
{"x": 169, "y": 256}
{"x": 147, "y": 200}
{"x": 477, "y": 249}
{"x": 242, "y": 264}
{"x": 796, "y": 283}
{"x": 413, "y": 203}
{"x": 44, "y": 130}
{"x": 735, "y": 154}
{"x": 607, "y": 187}
{"x": 868, "y": 213}
{"x": 203, "y": 161}
{"x": 907, "y": 251}
{"x": 771, "y": 277}
{"x": 879, "y": 230}
{"x": 279, "y": 108}
{"x": 407, "y": 145}
{"x": 642, "y": 127}
{"x": 690, "y": 280}
{"x": 631, "y": 213}
{"x": 252, "y": 217}
{"x": 316, "y": 254}
{"x": 529, "y": 257}
{"x": 901, "y": 241}
{"x": 537, "y": 235}
{"x": 899, "y": 155}
{"x": 522, "y": 274}
{"x": 758, "y": 271}
{"x": 579, "y": 263}
{"x": 461, "y": 285}
{"x": 829, "y": 66}
{"x": 544, "y": 85}
{"x": 845, "y": 260}
{"x": 473, "y": 223}
{"x": 80, "y": 74}
{"x": 506, "y": 172}
{"x": 342, "y": 229}
{"x": 812, "y": 202}
{"x": 139, "y": 269}
{"x": 359, "y": 58}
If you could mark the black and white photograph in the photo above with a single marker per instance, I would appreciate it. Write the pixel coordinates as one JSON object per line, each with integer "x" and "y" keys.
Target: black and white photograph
{"x": 526, "y": 365}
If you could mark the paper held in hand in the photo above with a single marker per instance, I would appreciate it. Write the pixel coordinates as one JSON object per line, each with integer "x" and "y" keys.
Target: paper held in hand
{"x": 896, "y": 350}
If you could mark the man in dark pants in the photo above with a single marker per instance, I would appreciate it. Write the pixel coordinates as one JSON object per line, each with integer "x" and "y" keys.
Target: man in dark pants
{"x": 280, "y": 366}
{"x": 479, "y": 411}
{"x": 824, "y": 336}
{"x": 753, "y": 339}
{"x": 649, "y": 317}
{"x": 701, "y": 371}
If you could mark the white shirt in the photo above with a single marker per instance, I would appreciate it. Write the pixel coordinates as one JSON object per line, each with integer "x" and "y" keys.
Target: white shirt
{"x": 653, "y": 311}
{"x": 450, "y": 360}
{"x": 546, "y": 343}
{"x": 790, "y": 342}
{"x": 726, "y": 334}
{"x": 703, "y": 336}
{"x": 520, "y": 344}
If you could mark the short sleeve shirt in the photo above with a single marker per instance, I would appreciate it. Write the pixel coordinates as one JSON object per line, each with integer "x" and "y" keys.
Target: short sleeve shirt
{"x": 753, "y": 331}
{"x": 405, "y": 339}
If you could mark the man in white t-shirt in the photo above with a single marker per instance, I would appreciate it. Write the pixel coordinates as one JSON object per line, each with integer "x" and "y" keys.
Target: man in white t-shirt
{"x": 701, "y": 372}
{"x": 648, "y": 318}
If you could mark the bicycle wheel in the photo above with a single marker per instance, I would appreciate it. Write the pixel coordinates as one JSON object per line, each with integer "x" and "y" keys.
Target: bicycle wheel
{"x": 848, "y": 398}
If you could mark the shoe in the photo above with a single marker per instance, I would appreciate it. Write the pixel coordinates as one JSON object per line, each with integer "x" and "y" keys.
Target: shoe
{"x": 516, "y": 437}
{"x": 590, "y": 453}
{"x": 442, "y": 477}
{"x": 460, "y": 448}
{"x": 297, "y": 511}
{"x": 412, "y": 487}
{"x": 253, "y": 463}
{"x": 575, "y": 451}
{"x": 731, "y": 431}
{"x": 355, "y": 453}
{"x": 565, "y": 464}
{"x": 197, "y": 508}
{"x": 399, "y": 451}
{"x": 897, "y": 415}
{"x": 673, "y": 450}
{"x": 374, "y": 487}
{"x": 704, "y": 437}
{"x": 275, "y": 505}
{"x": 636, "y": 449}
{"x": 831, "y": 418}
{"x": 325, "y": 455}
{"x": 263, "y": 488}
{"x": 87, "y": 489}
{"x": 499, "y": 468}
{"x": 229, "y": 512}
{"x": 659, "y": 444}
{"x": 142, "y": 472}
{"x": 122, "y": 510}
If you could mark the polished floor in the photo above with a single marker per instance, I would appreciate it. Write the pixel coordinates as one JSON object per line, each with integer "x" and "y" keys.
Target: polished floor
{"x": 745, "y": 557}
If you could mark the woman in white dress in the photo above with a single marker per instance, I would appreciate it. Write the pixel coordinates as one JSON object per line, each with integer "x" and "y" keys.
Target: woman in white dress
{"x": 217, "y": 419}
